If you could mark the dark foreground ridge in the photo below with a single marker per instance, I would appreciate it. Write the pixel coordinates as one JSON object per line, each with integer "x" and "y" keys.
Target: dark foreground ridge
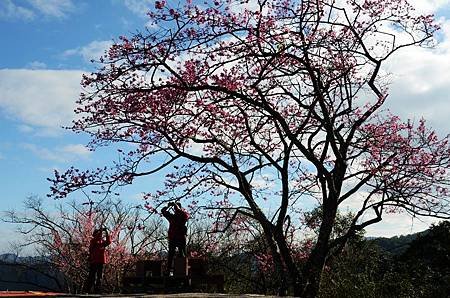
{"x": 52, "y": 294}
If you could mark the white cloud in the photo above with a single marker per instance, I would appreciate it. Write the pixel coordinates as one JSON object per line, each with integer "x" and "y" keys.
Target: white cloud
{"x": 71, "y": 52}
{"x": 93, "y": 50}
{"x": 76, "y": 149}
{"x": 421, "y": 84}
{"x": 399, "y": 224}
{"x": 252, "y": 5}
{"x": 42, "y": 99}
{"x": 139, "y": 7}
{"x": 53, "y": 8}
{"x": 36, "y": 65}
{"x": 43, "y": 153}
{"x": 66, "y": 153}
{"x": 429, "y": 6}
{"x": 11, "y": 11}
{"x": 392, "y": 224}
{"x": 263, "y": 182}
{"x": 2, "y": 156}
{"x": 49, "y": 8}
{"x": 50, "y": 169}
{"x": 25, "y": 128}
{"x": 420, "y": 88}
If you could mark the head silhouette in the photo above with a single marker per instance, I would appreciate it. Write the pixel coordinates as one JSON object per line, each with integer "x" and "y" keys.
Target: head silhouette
{"x": 97, "y": 233}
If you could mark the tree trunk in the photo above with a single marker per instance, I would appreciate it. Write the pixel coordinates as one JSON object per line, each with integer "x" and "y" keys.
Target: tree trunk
{"x": 277, "y": 259}
{"x": 312, "y": 272}
{"x": 312, "y": 276}
{"x": 292, "y": 270}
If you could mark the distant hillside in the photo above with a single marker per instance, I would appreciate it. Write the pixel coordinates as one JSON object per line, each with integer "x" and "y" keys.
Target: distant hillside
{"x": 396, "y": 245}
{"x": 27, "y": 273}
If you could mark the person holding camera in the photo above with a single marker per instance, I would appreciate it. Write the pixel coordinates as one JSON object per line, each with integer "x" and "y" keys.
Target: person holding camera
{"x": 97, "y": 259}
{"x": 177, "y": 230}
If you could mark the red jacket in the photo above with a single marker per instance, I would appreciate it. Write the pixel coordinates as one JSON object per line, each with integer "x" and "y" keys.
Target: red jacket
{"x": 97, "y": 248}
{"x": 177, "y": 223}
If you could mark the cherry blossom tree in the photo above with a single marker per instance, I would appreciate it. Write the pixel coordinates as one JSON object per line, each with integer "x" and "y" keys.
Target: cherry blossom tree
{"x": 251, "y": 108}
{"x": 62, "y": 237}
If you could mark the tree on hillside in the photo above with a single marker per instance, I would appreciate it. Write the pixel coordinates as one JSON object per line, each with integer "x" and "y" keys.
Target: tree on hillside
{"x": 367, "y": 269}
{"x": 267, "y": 103}
{"x": 426, "y": 262}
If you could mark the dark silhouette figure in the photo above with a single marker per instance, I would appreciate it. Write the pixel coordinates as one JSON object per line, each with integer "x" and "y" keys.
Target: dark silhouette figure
{"x": 177, "y": 230}
{"x": 97, "y": 259}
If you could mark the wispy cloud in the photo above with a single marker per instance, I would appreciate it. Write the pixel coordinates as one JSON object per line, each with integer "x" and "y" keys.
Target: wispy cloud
{"x": 11, "y": 11}
{"x": 25, "y": 128}
{"x": 41, "y": 99}
{"x": 93, "y": 50}
{"x": 30, "y": 10}
{"x": 53, "y": 8}
{"x": 76, "y": 150}
{"x": 36, "y": 65}
{"x": 66, "y": 153}
{"x": 139, "y": 7}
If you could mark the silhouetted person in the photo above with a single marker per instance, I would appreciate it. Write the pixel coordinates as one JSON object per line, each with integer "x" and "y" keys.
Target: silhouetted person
{"x": 97, "y": 260}
{"x": 177, "y": 230}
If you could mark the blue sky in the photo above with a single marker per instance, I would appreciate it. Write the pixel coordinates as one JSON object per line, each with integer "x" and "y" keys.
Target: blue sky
{"x": 46, "y": 45}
